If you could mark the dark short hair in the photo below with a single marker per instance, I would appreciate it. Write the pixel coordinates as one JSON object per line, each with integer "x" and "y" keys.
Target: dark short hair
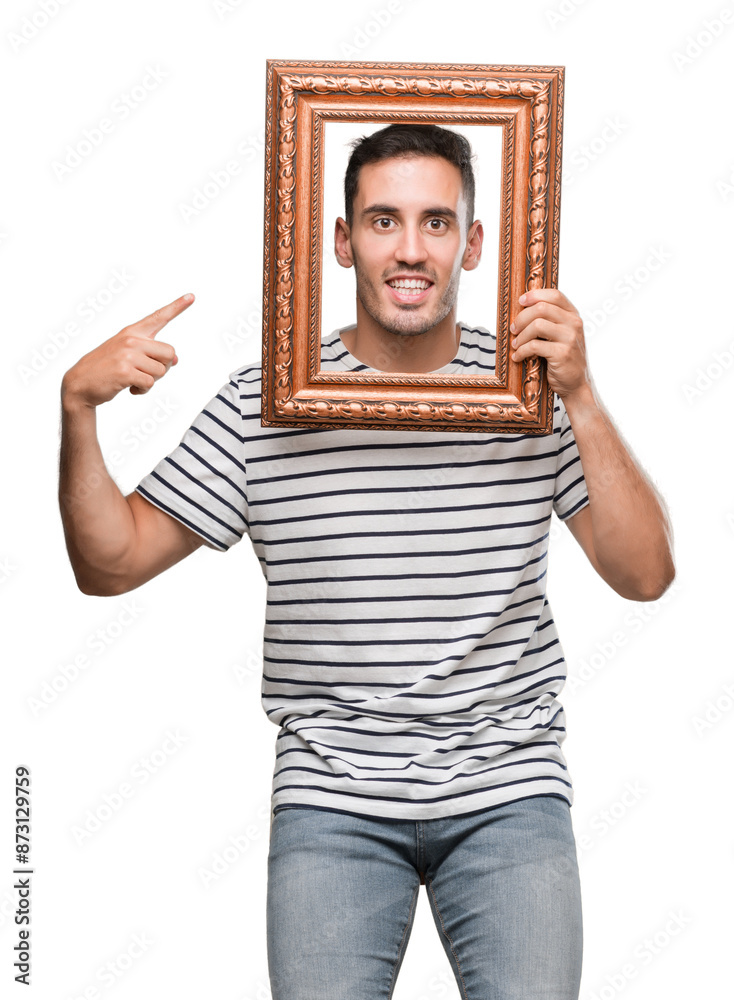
{"x": 414, "y": 139}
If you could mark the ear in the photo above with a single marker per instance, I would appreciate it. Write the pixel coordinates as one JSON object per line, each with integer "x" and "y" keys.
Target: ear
{"x": 473, "y": 252}
{"x": 342, "y": 244}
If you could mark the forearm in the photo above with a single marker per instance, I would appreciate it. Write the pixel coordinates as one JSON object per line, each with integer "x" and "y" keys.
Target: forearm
{"x": 631, "y": 531}
{"x": 98, "y": 523}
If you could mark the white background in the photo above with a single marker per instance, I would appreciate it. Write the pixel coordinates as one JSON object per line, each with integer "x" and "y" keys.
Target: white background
{"x": 648, "y": 197}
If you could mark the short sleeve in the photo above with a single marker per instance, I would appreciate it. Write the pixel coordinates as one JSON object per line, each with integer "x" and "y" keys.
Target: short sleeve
{"x": 570, "y": 492}
{"x": 203, "y": 482}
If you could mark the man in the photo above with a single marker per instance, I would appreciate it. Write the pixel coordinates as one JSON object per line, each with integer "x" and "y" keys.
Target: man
{"x": 411, "y": 661}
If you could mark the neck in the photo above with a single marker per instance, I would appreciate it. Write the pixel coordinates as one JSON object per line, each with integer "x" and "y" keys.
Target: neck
{"x": 376, "y": 347}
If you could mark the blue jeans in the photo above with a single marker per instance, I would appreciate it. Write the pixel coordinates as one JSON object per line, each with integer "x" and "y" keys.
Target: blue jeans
{"x": 503, "y": 886}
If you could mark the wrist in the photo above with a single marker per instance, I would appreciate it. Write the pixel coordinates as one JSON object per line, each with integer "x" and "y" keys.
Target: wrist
{"x": 72, "y": 403}
{"x": 581, "y": 401}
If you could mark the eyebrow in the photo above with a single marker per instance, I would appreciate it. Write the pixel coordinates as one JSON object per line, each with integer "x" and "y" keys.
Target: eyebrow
{"x": 392, "y": 210}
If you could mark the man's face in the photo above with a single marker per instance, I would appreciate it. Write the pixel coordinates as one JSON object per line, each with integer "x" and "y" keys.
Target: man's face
{"x": 408, "y": 241}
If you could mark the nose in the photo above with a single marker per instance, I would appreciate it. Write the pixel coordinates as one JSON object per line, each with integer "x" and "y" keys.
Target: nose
{"x": 410, "y": 247}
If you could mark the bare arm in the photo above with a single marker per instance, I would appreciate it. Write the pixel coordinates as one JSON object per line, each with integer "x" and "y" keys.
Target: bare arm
{"x": 625, "y": 530}
{"x": 115, "y": 543}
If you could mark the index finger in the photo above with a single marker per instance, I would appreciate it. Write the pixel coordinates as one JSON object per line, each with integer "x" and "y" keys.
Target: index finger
{"x": 552, "y": 295}
{"x": 149, "y": 326}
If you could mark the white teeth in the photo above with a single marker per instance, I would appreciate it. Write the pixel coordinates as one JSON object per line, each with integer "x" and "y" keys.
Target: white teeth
{"x": 410, "y": 283}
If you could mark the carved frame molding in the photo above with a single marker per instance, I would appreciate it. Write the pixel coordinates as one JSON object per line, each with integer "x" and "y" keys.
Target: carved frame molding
{"x": 527, "y": 103}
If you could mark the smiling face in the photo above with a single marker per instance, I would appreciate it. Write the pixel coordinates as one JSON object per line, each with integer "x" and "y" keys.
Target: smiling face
{"x": 408, "y": 243}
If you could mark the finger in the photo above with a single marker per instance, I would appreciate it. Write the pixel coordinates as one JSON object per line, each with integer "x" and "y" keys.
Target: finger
{"x": 543, "y": 329}
{"x": 534, "y": 349}
{"x": 135, "y": 345}
{"x": 541, "y": 310}
{"x": 149, "y": 326}
{"x": 141, "y": 382}
{"x": 152, "y": 367}
{"x": 552, "y": 295}
{"x": 159, "y": 350}
{"x": 146, "y": 373}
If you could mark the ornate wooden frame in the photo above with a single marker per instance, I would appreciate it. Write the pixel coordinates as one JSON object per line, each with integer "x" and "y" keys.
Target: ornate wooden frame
{"x": 527, "y": 101}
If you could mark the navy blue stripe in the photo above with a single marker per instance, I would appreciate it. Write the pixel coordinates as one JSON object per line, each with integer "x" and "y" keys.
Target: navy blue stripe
{"x": 400, "y": 512}
{"x": 179, "y": 517}
{"x": 294, "y": 682}
{"x": 427, "y": 441}
{"x": 393, "y": 621}
{"x": 406, "y": 755}
{"x": 220, "y": 423}
{"x": 362, "y": 578}
{"x": 471, "y": 812}
{"x": 381, "y": 533}
{"x": 424, "y": 467}
{"x": 415, "y": 781}
{"x": 207, "y": 489}
{"x": 198, "y": 506}
{"x": 406, "y": 597}
{"x": 432, "y": 554}
{"x": 207, "y": 465}
{"x": 219, "y": 448}
{"x": 475, "y": 364}
{"x": 383, "y": 490}
{"x": 575, "y": 508}
{"x": 569, "y": 487}
{"x": 413, "y": 800}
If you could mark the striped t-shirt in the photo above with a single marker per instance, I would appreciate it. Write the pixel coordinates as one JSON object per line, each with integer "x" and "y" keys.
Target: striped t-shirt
{"x": 410, "y": 657}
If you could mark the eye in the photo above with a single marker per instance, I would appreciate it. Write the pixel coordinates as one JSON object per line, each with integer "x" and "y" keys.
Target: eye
{"x": 383, "y": 222}
{"x": 437, "y": 225}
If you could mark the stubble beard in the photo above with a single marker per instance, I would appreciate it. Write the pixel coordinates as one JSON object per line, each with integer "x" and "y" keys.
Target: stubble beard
{"x": 406, "y": 323}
